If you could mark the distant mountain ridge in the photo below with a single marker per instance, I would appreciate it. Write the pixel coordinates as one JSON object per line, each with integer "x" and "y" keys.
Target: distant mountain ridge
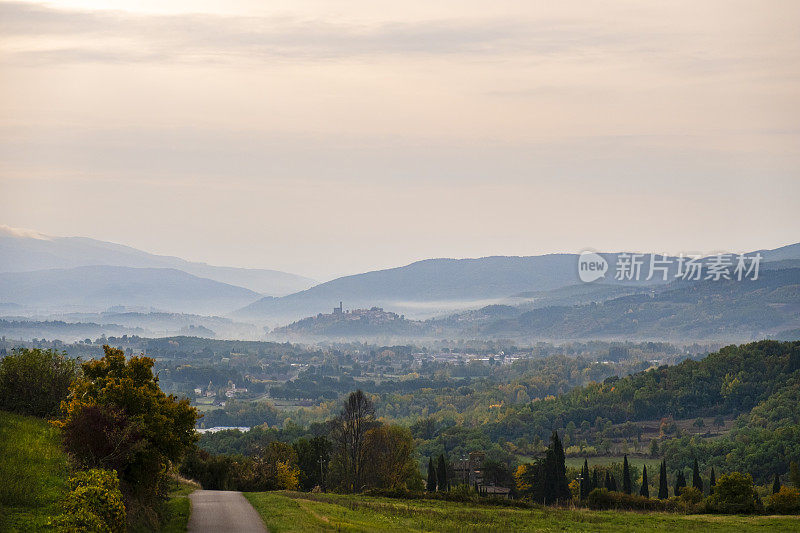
{"x": 435, "y": 287}
{"x": 25, "y": 251}
{"x": 95, "y": 288}
{"x": 768, "y": 307}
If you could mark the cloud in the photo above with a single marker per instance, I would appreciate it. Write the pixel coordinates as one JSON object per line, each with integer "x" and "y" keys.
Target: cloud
{"x": 22, "y": 233}
{"x": 116, "y": 36}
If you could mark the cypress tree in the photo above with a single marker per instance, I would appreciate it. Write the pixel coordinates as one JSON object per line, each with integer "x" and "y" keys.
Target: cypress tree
{"x": 680, "y": 482}
{"x": 585, "y": 480}
{"x": 561, "y": 469}
{"x": 431, "y": 476}
{"x": 441, "y": 474}
{"x": 776, "y": 485}
{"x": 608, "y": 481}
{"x": 697, "y": 481}
{"x": 663, "y": 489}
{"x": 595, "y": 481}
{"x": 712, "y": 481}
{"x": 645, "y": 490}
{"x": 626, "y": 476}
{"x": 613, "y": 483}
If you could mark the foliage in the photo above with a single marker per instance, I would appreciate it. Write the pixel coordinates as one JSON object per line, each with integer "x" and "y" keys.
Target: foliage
{"x": 34, "y": 381}
{"x": 545, "y": 480}
{"x": 117, "y": 417}
{"x": 349, "y": 436}
{"x": 313, "y": 456}
{"x": 430, "y": 485}
{"x": 238, "y": 413}
{"x": 785, "y": 501}
{"x": 275, "y": 469}
{"x": 735, "y": 493}
{"x": 389, "y": 460}
{"x": 94, "y": 503}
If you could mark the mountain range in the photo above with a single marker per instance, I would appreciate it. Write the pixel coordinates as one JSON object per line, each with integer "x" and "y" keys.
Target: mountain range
{"x": 25, "y": 251}
{"x": 49, "y": 277}
{"x": 435, "y": 287}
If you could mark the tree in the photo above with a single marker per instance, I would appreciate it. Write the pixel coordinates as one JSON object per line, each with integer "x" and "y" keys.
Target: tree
{"x": 35, "y": 382}
{"x": 697, "y": 481}
{"x": 712, "y": 481}
{"x": 275, "y": 468}
{"x": 776, "y": 484}
{"x": 794, "y": 474}
{"x": 645, "y": 490}
{"x": 654, "y": 448}
{"x": 680, "y": 482}
{"x": 562, "y": 487}
{"x": 699, "y": 423}
{"x": 389, "y": 462}
{"x": 614, "y": 486}
{"x": 546, "y": 479}
{"x": 663, "y": 490}
{"x": 734, "y": 493}
{"x": 626, "y": 476}
{"x": 431, "y": 485}
{"x": 313, "y": 456}
{"x": 441, "y": 475}
{"x": 496, "y": 473}
{"x": 608, "y": 482}
{"x": 585, "y": 482}
{"x": 595, "y": 481}
{"x": 349, "y": 433}
{"x": 117, "y": 417}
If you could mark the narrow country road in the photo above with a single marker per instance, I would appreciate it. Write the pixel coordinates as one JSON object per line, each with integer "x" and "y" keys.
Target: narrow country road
{"x": 219, "y": 511}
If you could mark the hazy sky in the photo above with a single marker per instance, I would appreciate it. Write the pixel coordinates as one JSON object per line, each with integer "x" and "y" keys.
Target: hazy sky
{"x": 327, "y": 138}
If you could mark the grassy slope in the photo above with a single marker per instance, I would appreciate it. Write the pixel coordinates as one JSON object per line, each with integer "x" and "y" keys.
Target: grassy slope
{"x": 33, "y": 473}
{"x": 178, "y": 509}
{"x": 291, "y": 511}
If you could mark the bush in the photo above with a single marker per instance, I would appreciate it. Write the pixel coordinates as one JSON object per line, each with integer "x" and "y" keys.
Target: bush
{"x": 785, "y": 501}
{"x": 35, "y": 382}
{"x": 734, "y": 493}
{"x": 600, "y": 499}
{"x": 117, "y": 418}
{"x": 94, "y": 503}
{"x": 603, "y": 499}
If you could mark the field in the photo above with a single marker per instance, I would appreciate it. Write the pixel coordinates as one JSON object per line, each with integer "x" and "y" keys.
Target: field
{"x": 292, "y": 511}
{"x": 33, "y": 473}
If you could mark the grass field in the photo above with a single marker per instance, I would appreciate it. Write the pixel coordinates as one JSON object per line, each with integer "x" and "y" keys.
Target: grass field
{"x": 292, "y": 511}
{"x": 33, "y": 473}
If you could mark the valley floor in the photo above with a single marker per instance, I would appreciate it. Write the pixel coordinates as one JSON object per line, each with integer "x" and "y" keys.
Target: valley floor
{"x": 292, "y": 511}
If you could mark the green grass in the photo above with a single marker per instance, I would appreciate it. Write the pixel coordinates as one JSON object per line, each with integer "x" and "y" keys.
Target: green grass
{"x": 292, "y": 511}
{"x": 33, "y": 473}
{"x": 178, "y": 509}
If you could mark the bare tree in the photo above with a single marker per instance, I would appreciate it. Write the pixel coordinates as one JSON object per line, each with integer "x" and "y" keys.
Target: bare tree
{"x": 356, "y": 418}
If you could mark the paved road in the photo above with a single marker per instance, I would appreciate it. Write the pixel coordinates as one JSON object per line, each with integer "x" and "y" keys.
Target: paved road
{"x": 220, "y": 511}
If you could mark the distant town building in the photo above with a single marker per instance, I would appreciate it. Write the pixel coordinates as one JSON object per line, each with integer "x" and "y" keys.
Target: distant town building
{"x": 467, "y": 471}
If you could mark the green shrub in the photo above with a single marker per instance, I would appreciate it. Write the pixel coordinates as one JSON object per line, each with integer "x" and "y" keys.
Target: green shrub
{"x": 602, "y": 499}
{"x": 734, "y": 493}
{"x": 94, "y": 503}
{"x": 785, "y": 501}
{"x": 35, "y": 382}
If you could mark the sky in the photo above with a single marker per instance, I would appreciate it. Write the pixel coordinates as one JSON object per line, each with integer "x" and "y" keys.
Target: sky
{"x": 328, "y": 138}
